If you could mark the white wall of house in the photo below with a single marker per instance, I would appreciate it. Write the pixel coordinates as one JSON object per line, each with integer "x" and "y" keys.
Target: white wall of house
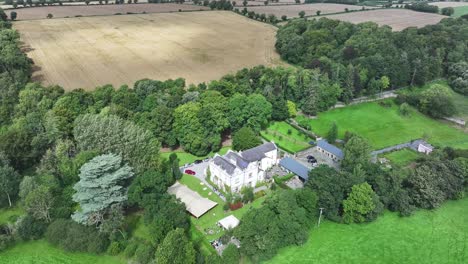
{"x": 330, "y": 155}
{"x": 250, "y": 176}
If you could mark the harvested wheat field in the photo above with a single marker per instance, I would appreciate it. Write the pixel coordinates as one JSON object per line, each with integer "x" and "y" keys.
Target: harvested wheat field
{"x": 398, "y": 19}
{"x": 292, "y": 11}
{"x": 198, "y": 46}
{"x": 99, "y": 10}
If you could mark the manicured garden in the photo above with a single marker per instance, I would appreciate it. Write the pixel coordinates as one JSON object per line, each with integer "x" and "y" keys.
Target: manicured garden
{"x": 402, "y": 157}
{"x": 384, "y": 126}
{"x": 42, "y": 252}
{"x": 438, "y": 236}
{"x": 187, "y": 158}
{"x": 286, "y": 137}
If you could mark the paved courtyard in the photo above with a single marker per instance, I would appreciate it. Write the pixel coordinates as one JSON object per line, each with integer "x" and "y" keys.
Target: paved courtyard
{"x": 321, "y": 158}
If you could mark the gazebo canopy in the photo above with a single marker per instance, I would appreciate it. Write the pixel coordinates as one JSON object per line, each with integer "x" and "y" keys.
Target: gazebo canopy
{"x": 229, "y": 222}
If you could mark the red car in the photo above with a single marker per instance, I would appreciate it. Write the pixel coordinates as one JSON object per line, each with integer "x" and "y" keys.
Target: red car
{"x": 190, "y": 172}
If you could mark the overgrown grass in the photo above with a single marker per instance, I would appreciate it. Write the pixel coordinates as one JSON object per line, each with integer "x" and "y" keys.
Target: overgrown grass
{"x": 286, "y": 137}
{"x": 438, "y": 236}
{"x": 384, "y": 126}
{"x": 187, "y": 158}
{"x": 402, "y": 157}
{"x": 41, "y": 252}
{"x": 7, "y": 214}
{"x": 461, "y": 103}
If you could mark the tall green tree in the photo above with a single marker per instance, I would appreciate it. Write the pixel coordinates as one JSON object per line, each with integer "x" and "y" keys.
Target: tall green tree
{"x": 244, "y": 139}
{"x": 102, "y": 184}
{"x": 175, "y": 249}
{"x": 332, "y": 134}
{"x": 39, "y": 203}
{"x": 9, "y": 184}
{"x": 356, "y": 152}
{"x": 359, "y": 203}
{"x": 111, "y": 134}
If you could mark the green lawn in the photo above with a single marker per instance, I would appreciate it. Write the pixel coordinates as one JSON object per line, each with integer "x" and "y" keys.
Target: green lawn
{"x": 402, "y": 157}
{"x": 40, "y": 252}
{"x": 185, "y": 157}
{"x": 385, "y": 127}
{"x": 439, "y": 236}
{"x": 7, "y": 213}
{"x": 293, "y": 142}
{"x": 460, "y": 11}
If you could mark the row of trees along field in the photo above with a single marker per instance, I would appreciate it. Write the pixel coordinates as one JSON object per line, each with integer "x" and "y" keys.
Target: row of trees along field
{"x": 365, "y": 58}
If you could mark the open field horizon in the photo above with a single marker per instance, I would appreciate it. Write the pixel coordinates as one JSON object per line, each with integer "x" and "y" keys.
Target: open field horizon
{"x": 94, "y": 51}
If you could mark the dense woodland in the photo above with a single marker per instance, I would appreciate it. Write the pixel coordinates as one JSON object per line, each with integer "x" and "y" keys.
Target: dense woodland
{"x": 80, "y": 162}
{"x": 365, "y": 59}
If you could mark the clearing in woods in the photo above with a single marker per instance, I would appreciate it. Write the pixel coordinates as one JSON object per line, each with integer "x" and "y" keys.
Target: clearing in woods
{"x": 198, "y": 46}
{"x": 398, "y": 19}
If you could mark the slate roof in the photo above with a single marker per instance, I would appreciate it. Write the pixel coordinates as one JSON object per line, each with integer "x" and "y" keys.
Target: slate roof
{"x": 330, "y": 148}
{"x": 295, "y": 167}
{"x": 224, "y": 164}
{"x": 240, "y": 162}
{"x": 258, "y": 153}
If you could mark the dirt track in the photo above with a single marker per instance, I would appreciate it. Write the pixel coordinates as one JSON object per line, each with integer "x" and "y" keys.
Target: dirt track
{"x": 92, "y": 51}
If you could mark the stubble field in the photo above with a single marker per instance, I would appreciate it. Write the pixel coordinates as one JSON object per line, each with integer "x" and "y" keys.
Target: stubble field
{"x": 398, "y": 19}
{"x": 93, "y": 51}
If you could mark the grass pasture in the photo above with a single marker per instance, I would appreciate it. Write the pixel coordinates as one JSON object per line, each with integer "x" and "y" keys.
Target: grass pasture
{"x": 460, "y": 11}
{"x": 398, "y": 19}
{"x": 385, "y": 127}
{"x": 293, "y": 142}
{"x": 438, "y": 236}
{"x": 41, "y": 252}
{"x": 402, "y": 157}
{"x": 87, "y": 52}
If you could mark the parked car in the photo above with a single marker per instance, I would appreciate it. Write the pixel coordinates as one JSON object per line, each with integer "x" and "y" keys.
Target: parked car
{"x": 190, "y": 172}
{"x": 310, "y": 157}
{"x": 198, "y": 161}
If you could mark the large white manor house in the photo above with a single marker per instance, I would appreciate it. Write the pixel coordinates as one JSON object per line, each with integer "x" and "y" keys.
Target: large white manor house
{"x": 245, "y": 168}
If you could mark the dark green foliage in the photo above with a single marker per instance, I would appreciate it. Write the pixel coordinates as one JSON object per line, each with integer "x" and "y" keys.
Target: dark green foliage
{"x": 353, "y": 57}
{"x": 280, "y": 222}
{"x": 31, "y": 229}
{"x": 356, "y": 152}
{"x": 75, "y": 237}
{"x": 447, "y": 11}
{"x": 244, "y": 139}
{"x": 231, "y": 254}
{"x": 458, "y": 77}
{"x": 423, "y": 7}
{"x": 332, "y": 134}
{"x": 247, "y": 194}
{"x": 175, "y": 249}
